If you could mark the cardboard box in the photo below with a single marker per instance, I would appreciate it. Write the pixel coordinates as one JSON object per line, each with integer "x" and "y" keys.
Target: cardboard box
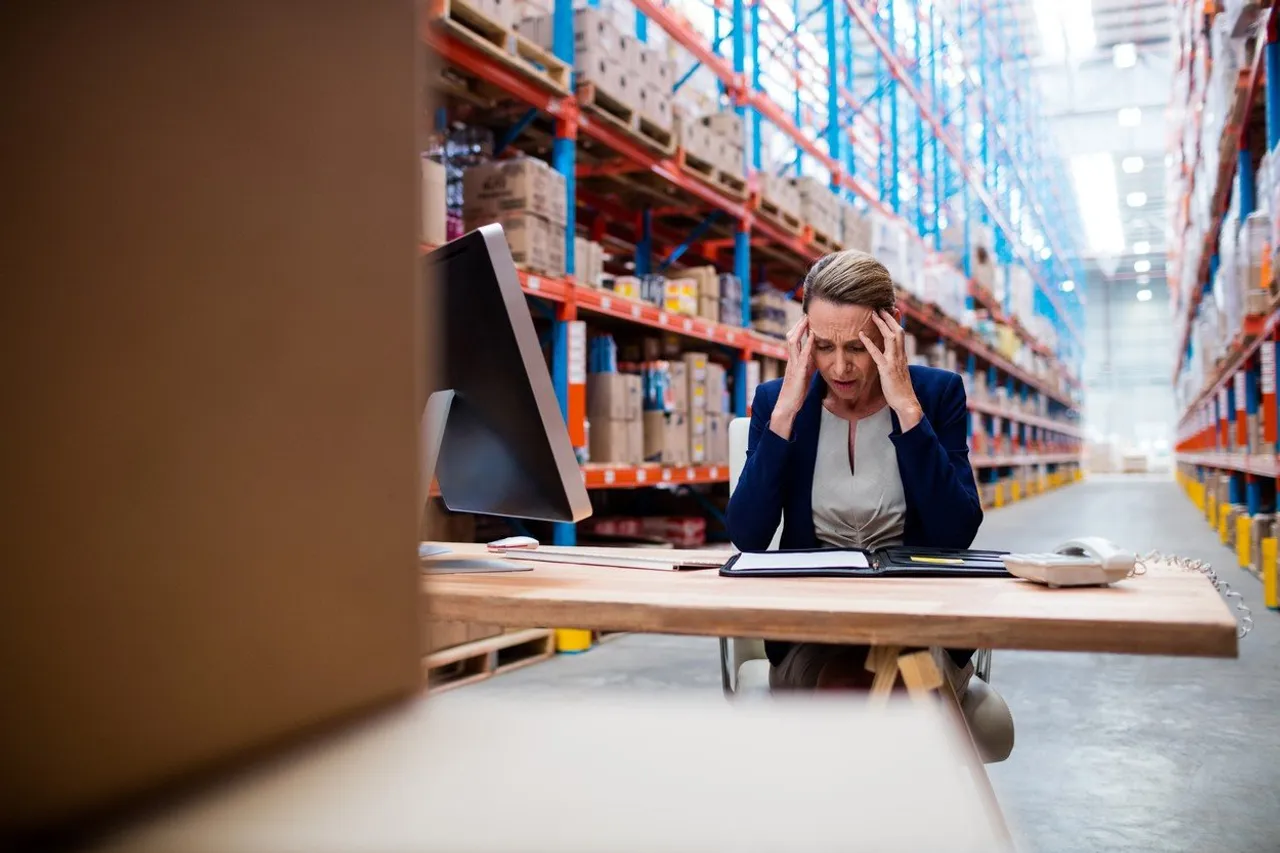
{"x": 593, "y": 31}
{"x": 681, "y": 296}
{"x": 717, "y": 381}
{"x": 679, "y": 386}
{"x": 536, "y": 244}
{"x": 655, "y": 105}
{"x": 635, "y": 439}
{"x": 519, "y": 185}
{"x": 709, "y": 308}
{"x": 696, "y": 377}
{"x": 725, "y": 124}
{"x": 630, "y": 56}
{"x": 717, "y": 439}
{"x": 434, "y": 210}
{"x": 613, "y": 396}
{"x": 612, "y": 440}
{"x": 598, "y": 67}
{"x": 666, "y": 438}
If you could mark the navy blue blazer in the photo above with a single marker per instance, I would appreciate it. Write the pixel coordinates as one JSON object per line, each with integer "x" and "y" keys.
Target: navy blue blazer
{"x": 776, "y": 483}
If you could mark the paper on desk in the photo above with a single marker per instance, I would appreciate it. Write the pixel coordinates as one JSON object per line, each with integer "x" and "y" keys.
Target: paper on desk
{"x": 835, "y": 558}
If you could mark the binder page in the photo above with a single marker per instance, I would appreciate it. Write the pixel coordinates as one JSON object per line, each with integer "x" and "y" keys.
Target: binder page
{"x": 835, "y": 558}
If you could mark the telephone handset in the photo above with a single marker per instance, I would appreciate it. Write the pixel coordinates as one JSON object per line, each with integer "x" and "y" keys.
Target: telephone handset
{"x": 1087, "y": 561}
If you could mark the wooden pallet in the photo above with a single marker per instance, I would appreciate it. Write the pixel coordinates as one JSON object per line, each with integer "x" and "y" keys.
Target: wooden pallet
{"x": 598, "y": 637}
{"x": 775, "y": 215}
{"x": 729, "y": 184}
{"x": 469, "y": 25}
{"x": 476, "y": 661}
{"x": 820, "y": 239}
{"x": 606, "y": 107}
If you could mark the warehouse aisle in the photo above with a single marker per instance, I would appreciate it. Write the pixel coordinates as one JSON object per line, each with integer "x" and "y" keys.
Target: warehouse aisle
{"x": 1114, "y": 753}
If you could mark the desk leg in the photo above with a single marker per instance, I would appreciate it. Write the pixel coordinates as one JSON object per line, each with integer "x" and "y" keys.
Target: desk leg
{"x": 922, "y": 675}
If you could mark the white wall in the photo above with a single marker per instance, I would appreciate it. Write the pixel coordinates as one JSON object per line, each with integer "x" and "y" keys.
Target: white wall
{"x": 1128, "y": 365}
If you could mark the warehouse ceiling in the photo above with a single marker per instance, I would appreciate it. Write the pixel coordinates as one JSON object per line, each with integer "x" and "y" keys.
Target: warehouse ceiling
{"x": 1103, "y": 69}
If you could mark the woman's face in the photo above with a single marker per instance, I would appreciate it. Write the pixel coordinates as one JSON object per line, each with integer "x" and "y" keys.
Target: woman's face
{"x": 838, "y": 352}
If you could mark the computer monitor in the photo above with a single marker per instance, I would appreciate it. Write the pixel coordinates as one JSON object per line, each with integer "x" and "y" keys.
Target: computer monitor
{"x": 492, "y": 433}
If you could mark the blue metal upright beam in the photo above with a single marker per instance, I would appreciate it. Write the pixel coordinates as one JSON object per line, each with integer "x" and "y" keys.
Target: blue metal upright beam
{"x": 1272, "y": 56}
{"x": 562, "y": 160}
{"x": 892, "y": 145}
{"x": 833, "y": 88}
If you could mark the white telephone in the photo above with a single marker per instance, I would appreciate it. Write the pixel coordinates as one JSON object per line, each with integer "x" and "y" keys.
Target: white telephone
{"x": 1088, "y": 561}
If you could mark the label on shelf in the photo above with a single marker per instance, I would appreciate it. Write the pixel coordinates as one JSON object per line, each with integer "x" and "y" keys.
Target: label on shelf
{"x": 1222, "y": 403}
{"x": 577, "y": 335}
{"x": 1268, "y": 352}
{"x": 1239, "y": 379}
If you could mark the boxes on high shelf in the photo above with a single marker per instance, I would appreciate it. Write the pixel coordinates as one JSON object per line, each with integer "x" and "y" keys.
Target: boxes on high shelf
{"x": 726, "y": 124}
{"x": 730, "y": 299}
{"x": 536, "y": 244}
{"x": 588, "y": 257}
{"x": 655, "y": 106}
{"x": 695, "y": 364}
{"x": 593, "y": 32}
{"x": 717, "y": 438}
{"x": 678, "y": 376}
{"x": 615, "y": 396}
{"x": 693, "y": 136}
{"x": 1253, "y": 263}
{"x": 889, "y": 245}
{"x": 434, "y": 210}
{"x": 819, "y": 206}
{"x": 501, "y": 12}
{"x": 769, "y": 313}
{"x": 855, "y": 230}
{"x": 630, "y": 57}
{"x": 681, "y": 296}
{"x": 780, "y": 192}
{"x": 519, "y": 185}
{"x": 666, "y": 438}
{"x": 717, "y": 384}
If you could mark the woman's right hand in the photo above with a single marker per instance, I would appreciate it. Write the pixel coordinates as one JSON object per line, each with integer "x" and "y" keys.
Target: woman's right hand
{"x": 795, "y": 382}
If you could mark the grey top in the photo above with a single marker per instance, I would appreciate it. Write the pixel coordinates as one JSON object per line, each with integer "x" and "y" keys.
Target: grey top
{"x": 858, "y": 502}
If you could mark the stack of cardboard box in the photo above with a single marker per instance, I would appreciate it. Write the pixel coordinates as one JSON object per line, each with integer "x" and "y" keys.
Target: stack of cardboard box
{"x": 781, "y": 192}
{"x": 819, "y": 207}
{"x": 529, "y": 199}
{"x": 504, "y": 13}
{"x": 588, "y": 259}
{"x": 613, "y": 413}
{"x": 717, "y": 432}
{"x": 599, "y": 51}
{"x": 696, "y": 375}
{"x": 728, "y": 141}
{"x": 666, "y": 415}
{"x": 855, "y": 229}
{"x": 769, "y": 312}
{"x": 730, "y": 290}
{"x": 708, "y": 287}
{"x": 656, "y": 76}
{"x": 681, "y": 296}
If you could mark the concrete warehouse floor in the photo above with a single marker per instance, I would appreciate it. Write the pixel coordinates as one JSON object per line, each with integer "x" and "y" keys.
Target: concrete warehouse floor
{"x": 1113, "y": 753}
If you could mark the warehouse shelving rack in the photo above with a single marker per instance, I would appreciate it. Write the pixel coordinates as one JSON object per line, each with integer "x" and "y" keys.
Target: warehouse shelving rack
{"x": 1213, "y": 436}
{"x": 918, "y": 113}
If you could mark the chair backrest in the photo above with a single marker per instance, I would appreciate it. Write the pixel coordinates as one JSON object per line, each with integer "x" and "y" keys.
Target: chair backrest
{"x": 739, "y": 430}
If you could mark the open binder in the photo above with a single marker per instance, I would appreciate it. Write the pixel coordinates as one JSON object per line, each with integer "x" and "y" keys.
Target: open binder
{"x": 894, "y": 561}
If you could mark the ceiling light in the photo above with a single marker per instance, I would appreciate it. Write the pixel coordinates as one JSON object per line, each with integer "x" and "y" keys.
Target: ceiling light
{"x": 1068, "y": 286}
{"x": 1144, "y": 279}
{"x": 1136, "y": 199}
{"x": 1132, "y": 165}
{"x": 1125, "y": 54}
{"x": 1130, "y": 117}
{"x": 1144, "y": 295}
{"x": 1141, "y": 247}
{"x": 1142, "y": 266}
{"x": 1094, "y": 176}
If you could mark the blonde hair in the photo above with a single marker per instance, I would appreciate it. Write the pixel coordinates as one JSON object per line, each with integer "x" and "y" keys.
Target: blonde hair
{"x": 850, "y": 277}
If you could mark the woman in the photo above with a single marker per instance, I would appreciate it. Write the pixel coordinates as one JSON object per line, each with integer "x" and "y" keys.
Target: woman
{"x": 853, "y": 447}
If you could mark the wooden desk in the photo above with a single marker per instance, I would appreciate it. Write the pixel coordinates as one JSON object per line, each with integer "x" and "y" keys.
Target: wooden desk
{"x": 1167, "y": 611}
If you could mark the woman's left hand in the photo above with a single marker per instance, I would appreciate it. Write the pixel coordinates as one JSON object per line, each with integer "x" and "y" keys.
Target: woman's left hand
{"x": 895, "y": 378}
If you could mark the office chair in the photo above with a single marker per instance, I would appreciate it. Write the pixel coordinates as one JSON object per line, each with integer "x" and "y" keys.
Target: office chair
{"x": 744, "y": 669}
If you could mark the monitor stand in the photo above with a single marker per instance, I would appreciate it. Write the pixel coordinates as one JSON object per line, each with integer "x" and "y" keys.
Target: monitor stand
{"x": 430, "y": 437}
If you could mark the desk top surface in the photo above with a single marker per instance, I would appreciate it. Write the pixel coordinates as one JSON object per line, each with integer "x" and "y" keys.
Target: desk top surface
{"x": 1166, "y": 611}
